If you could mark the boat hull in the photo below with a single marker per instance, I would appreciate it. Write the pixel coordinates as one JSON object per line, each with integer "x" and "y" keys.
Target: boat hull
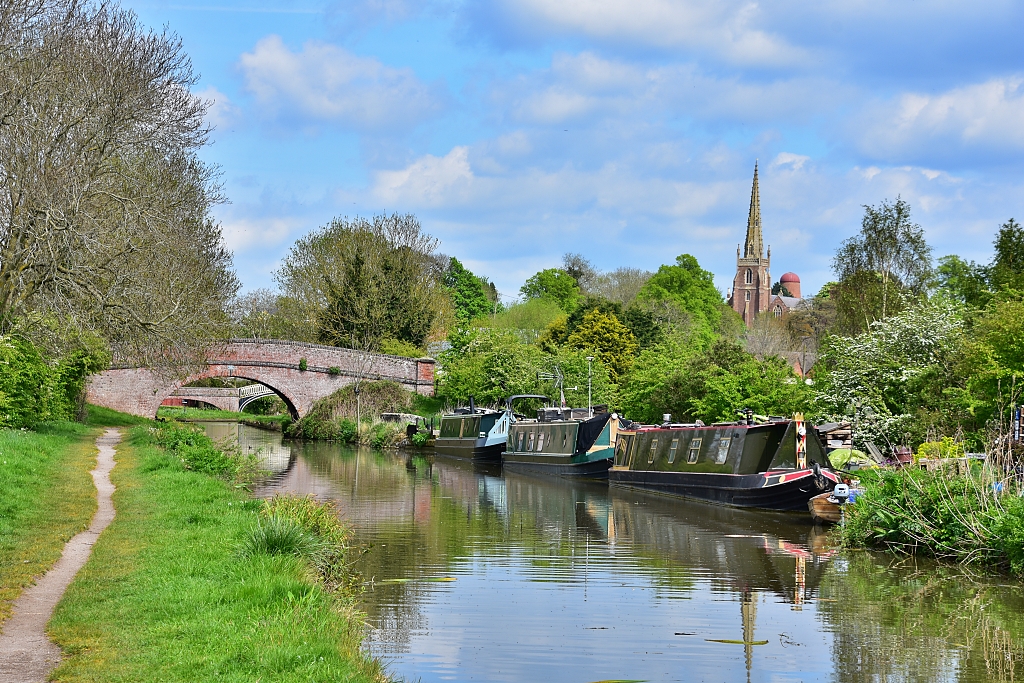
{"x": 469, "y": 449}
{"x": 824, "y": 510}
{"x": 562, "y": 466}
{"x": 739, "y": 490}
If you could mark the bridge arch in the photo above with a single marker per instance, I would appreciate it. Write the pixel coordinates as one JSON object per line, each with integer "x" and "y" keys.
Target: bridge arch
{"x": 298, "y": 372}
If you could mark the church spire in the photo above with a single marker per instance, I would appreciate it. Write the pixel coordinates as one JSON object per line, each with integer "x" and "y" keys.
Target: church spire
{"x": 754, "y": 246}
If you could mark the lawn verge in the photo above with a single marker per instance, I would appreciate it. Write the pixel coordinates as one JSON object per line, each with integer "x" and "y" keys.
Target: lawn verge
{"x": 46, "y": 497}
{"x": 178, "y": 590}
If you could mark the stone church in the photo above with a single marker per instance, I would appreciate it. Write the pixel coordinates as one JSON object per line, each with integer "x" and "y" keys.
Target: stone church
{"x": 752, "y": 287}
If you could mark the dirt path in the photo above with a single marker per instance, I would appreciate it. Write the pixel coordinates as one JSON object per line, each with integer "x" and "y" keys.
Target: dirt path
{"x": 26, "y": 654}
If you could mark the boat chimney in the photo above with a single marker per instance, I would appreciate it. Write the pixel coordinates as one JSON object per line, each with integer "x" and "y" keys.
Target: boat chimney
{"x": 666, "y": 419}
{"x": 472, "y": 408}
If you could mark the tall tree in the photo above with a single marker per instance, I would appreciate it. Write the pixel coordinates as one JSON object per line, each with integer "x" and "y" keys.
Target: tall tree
{"x": 612, "y": 341}
{"x": 365, "y": 280}
{"x": 1007, "y": 269}
{"x": 887, "y": 263}
{"x": 468, "y": 292}
{"x": 688, "y": 287}
{"x": 104, "y": 204}
{"x": 581, "y": 270}
{"x": 553, "y": 284}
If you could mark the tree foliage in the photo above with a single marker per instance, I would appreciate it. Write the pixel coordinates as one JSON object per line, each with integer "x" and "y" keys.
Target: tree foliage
{"x": 104, "y": 204}
{"x": 365, "y": 280}
{"x": 687, "y": 287}
{"x": 883, "y": 268}
{"x": 1007, "y": 269}
{"x": 612, "y": 341}
{"x": 468, "y": 292}
{"x": 554, "y": 284}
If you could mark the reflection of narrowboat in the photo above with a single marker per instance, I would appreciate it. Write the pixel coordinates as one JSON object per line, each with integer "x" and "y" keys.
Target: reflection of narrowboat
{"x": 475, "y": 433}
{"x": 565, "y": 442}
{"x": 775, "y": 465}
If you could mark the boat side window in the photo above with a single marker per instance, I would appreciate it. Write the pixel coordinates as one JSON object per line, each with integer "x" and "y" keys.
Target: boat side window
{"x": 540, "y": 441}
{"x": 723, "y": 450}
{"x": 620, "y": 451}
{"x": 565, "y": 437}
{"x": 654, "y": 451}
{"x": 529, "y": 442}
{"x": 672, "y": 450}
{"x": 691, "y": 457}
{"x": 522, "y": 435}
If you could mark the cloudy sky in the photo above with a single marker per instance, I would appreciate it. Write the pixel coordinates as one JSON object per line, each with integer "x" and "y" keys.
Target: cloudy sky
{"x": 626, "y": 130}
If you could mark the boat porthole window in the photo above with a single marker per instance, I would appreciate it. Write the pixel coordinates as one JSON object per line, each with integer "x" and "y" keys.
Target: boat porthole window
{"x": 540, "y": 442}
{"x": 672, "y": 450}
{"x": 691, "y": 457}
{"x": 654, "y": 451}
{"x": 723, "y": 450}
{"x": 529, "y": 442}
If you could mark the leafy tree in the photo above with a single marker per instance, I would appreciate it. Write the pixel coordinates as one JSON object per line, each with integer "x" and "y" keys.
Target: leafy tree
{"x": 263, "y": 314}
{"x": 882, "y": 268}
{"x": 468, "y": 292}
{"x": 962, "y": 281}
{"x": 612, "y": 341}
{"x": 572, "y": 363}
{"x": 532, "y": 315}
{"x": 554, "y": 284}
{"x": 689, "y": 288}
{"x": 645, "y": 327}
{"x": 1007, "y": 269}
{"x": 779, "y": 288}
{"x": 489, "y": 365}
{"x": 364, "y": 280}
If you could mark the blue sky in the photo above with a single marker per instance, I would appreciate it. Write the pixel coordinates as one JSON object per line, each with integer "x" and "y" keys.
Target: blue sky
{"x": 625, "y": 130}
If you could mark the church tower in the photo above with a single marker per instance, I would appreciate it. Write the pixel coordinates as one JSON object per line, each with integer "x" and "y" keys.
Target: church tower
{"x": 751, "y": 288}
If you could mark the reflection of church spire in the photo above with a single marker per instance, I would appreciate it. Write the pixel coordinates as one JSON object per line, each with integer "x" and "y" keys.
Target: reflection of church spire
{"x": 754, "y": 246}
{"x": 748, "y": 614}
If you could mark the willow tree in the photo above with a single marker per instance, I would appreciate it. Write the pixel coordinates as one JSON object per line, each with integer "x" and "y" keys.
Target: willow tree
{"x": 105, "y": 220}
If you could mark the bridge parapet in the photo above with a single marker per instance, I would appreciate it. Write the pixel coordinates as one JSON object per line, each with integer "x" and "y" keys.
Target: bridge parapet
{"x": 275, "y": 363}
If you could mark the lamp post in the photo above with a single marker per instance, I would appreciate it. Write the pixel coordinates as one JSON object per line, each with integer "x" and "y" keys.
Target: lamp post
{"x": 590, "y": 404}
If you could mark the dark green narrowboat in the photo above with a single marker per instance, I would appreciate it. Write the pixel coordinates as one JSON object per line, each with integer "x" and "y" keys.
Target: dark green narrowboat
{"x": 776, "y": 465}
{"x": 574, "y": 447}
{"x": 476, "y": 435}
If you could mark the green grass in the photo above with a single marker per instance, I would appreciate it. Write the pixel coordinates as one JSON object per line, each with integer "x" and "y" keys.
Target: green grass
{"x": 46, "y": 497}
{"x": 200, "y": 414}
{"x": 169, "y": 594}
{"x": 99, "y": 416}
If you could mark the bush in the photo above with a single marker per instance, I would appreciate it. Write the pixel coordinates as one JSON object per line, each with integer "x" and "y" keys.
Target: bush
{"x": 276, "y": 535}
{"x": 946, "y": 448}
{"x": 197, "y": 451}
{"x": 317, "y": 429}
{"x": 374, "y": 397}
{"x": 420, "y": 439}
{"x": 322, "y": 539}
{"x": 397, "y": 347}
{"x": 303, "y": 364}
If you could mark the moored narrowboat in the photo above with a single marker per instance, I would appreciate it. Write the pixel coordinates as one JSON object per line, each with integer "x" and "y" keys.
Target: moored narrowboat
{"x": 565, "y": 441}
{"x": 474, "y": 433}
{"x": 777, "y": 464}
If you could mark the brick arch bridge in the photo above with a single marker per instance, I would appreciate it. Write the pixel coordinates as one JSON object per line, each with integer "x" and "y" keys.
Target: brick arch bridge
{"x": 271, "y": 362}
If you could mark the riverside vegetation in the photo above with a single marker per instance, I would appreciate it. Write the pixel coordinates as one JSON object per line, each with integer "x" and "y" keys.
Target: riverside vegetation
{"x": 193, "y": 580}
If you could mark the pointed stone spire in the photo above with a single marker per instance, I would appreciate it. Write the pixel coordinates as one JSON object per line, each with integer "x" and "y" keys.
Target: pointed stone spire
{"x": 754, "y": 246}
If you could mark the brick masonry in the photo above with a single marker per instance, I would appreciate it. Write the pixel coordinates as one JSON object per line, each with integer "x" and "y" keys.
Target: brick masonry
{"x": 273, "y": 363}
{"x": 223, "y": 398}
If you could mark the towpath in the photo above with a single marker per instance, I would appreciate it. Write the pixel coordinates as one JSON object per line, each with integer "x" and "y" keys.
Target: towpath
{"x": 26, "y": 654}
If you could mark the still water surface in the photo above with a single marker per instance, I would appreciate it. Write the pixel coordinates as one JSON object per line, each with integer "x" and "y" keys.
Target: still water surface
{"x": 474, "y": 574}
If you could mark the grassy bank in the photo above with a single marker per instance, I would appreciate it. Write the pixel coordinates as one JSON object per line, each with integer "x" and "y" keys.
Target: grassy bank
{"x": 970, "y": 518}
{"x": 46, "y": 497}
{"x": 191, "y": 583}
{"x": 203, "y": 414}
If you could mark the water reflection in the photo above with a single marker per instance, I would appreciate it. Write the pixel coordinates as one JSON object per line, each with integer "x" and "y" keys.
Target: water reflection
{"x": 563, "y": 580}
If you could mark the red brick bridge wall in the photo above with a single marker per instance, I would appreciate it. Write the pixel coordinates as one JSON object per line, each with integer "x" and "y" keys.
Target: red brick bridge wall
{"x": 273, "y": 363}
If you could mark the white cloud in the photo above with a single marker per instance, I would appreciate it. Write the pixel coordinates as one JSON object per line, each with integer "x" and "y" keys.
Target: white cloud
{"x": 428, "y": 181}
{"x": 795, "y": 161}
{"x": 222, "y": 112}
{"x": 983, "y": 117}
{"x": 326, "y": 83}
{"x": 244, "y": 234}
{"x": 725, "y": 28}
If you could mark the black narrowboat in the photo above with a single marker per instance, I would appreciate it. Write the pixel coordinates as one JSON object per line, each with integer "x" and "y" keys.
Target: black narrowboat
{"x": 476, "y": 434}
{"x": 778, "y": 464}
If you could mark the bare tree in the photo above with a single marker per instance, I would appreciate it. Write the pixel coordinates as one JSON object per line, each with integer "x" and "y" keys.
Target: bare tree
{"x": 622, "y": 284}
{"x": 104, "y": 205}
{"x": 767, "y": 336}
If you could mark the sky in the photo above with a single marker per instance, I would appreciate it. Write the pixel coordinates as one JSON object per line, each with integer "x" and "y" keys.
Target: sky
{"x": 623, "y": 130}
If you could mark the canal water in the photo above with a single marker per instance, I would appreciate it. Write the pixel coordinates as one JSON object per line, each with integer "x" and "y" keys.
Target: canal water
{"x": 474, "y": 574}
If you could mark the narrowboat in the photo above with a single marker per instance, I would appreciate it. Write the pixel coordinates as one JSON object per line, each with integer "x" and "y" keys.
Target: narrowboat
{"x": 474, "y": 433}
{"x": 477, "y": 433}
{"x": 775, "y": 464}
{"x": 565, "y": 441}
